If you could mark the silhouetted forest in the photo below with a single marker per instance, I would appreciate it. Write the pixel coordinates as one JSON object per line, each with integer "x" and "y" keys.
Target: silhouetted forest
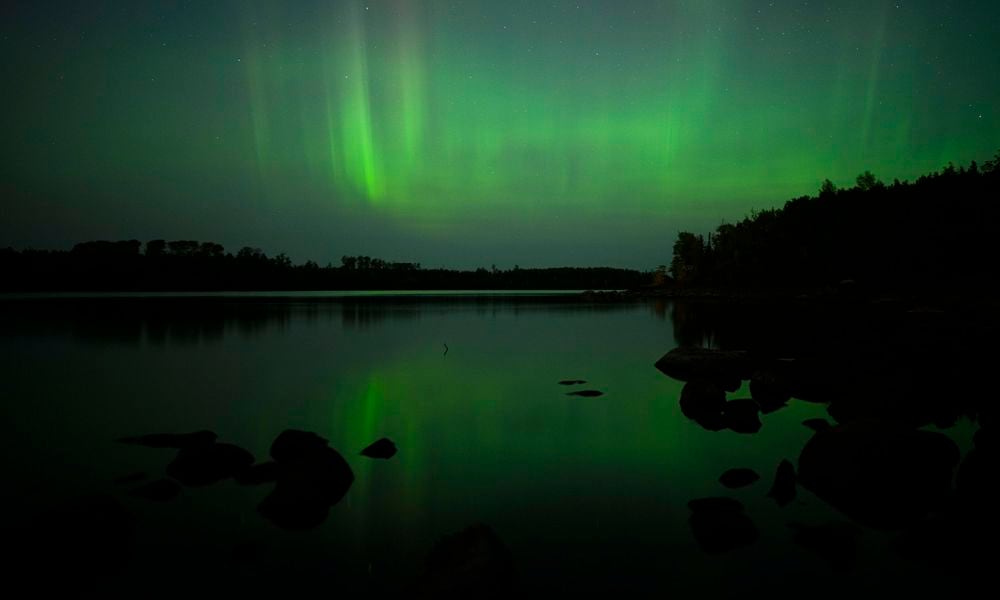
{"x": 934, "y": 232}
{"x": 186, "y": 265}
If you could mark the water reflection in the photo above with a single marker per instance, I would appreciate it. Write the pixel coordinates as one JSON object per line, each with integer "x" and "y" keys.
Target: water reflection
{"x": 583, "y": 492}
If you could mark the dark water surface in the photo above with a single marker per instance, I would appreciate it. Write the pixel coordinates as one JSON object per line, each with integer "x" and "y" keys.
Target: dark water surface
{"x": 587, "y": 493}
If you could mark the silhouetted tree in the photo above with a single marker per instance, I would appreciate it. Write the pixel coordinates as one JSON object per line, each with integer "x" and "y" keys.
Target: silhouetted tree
{"x": 867, "y": 181}
{"x": 689, "y": 257}
{"x": 156, "y": 247}
{"x": 935, "y": 231}
{"x": 183, "y": 247}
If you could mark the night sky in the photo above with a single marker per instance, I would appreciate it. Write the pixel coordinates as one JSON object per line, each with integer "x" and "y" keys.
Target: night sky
{"x": 471, "y": 133}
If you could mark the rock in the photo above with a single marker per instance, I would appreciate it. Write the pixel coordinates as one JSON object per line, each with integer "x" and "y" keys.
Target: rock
{"x": 702, "y": 402}
{"x": 197, "y": 466}
{"x": 880, "y": 474}
{"x": 383, "y": 448}
{"x": 172, "y": 440}
{"x": 586, "y": 393}
{"x": 837, "y": 542}
{"x": 741, "y": 416}
{"x": 572, "y": 382}
{"x": 292, "y": 444}
{"x": 702, "y": 396}
{"x": 265, "y": 472}
{"x": 783, "y": 488}
{"x": 737, "y": 478}
{"x": 719, "y": 525}
{"x": 472, "y": 563}
{"x": 312, "y": 477}
{"x": 768, "y": 391}
{"x": 160, "y": 490}
{"x": 700, "y": 364}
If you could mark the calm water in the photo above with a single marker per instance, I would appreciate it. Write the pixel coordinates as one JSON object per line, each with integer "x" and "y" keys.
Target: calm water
{"x": 587, "y": 493}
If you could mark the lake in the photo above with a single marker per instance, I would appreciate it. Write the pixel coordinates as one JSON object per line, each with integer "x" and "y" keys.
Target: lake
{"x": 588, "y": 494}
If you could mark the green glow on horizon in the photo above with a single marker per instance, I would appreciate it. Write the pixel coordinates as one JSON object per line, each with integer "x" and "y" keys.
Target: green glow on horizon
{"x": 438, "y": 117}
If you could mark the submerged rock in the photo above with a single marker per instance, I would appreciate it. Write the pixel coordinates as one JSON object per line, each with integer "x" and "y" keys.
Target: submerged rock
{"x": 312, "y": 477}
{"x": 473, "y": 562}
{"x": 719, "y": 525}
{"x": 737, "y": 478}
{"x": 160, "y": 490}
{"x": 172, "y": 440}
{"x": 879, "y": 474}
{"x": 783, "y": 488}
{"x": 203, "y": 465}
{"x": 586, "y": 393}
{"x": 383, "y": 448}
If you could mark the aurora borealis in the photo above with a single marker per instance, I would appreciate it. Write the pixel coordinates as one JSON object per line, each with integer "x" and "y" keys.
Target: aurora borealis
{"x": 469, "y": 133}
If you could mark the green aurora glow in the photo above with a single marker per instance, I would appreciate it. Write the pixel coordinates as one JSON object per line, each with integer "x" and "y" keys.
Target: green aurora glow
{"x": 587, "y": 132}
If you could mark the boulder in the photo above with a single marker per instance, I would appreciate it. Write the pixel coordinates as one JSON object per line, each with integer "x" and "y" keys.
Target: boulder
{"x": 311, "y": 478}
{"x": 724, "y": 367}
{"x": 880, "y": 474}
{"x": 702, "y": 402}
{"x": 292, "y": 444}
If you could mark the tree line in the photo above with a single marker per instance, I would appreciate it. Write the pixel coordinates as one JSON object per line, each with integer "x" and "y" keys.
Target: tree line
{"x": 936, "y": 231}
{"x": 189, "y": 265}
